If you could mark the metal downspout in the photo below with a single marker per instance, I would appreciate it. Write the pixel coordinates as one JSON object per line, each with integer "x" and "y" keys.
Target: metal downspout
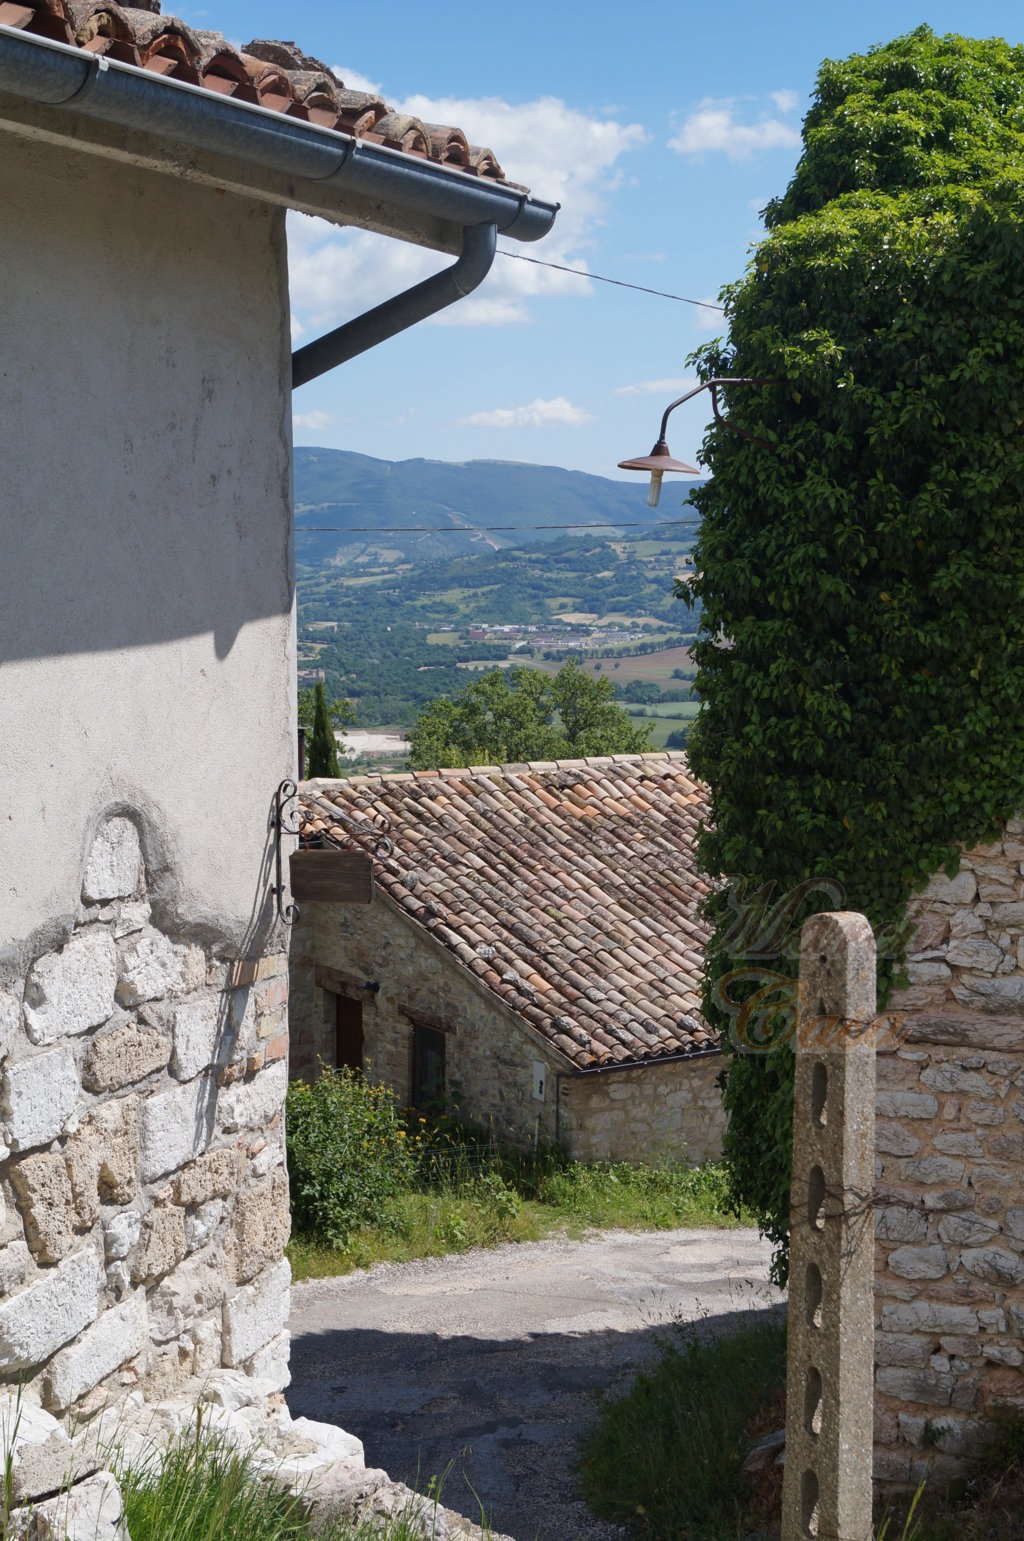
{"x": 479, "y": 244}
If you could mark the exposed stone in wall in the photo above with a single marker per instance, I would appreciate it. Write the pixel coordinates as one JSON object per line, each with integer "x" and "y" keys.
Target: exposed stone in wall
{"x": 143, "y": 1189}
{"x": 949, "y": 1340}
{"x": 671, "y": 1111}
{"x": 667, "y": 1110}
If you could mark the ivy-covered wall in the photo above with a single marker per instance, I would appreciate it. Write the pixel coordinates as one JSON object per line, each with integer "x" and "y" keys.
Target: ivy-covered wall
{"x": 861, "y": 658}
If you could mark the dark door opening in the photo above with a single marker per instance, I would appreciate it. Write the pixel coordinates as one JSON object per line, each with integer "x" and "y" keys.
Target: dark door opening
{"x": 348, "y": 1032}
{"x": 427, "y": 1068}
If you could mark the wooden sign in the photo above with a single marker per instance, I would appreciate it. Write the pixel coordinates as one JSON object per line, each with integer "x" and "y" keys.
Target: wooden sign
{"x": 331, "y": 877}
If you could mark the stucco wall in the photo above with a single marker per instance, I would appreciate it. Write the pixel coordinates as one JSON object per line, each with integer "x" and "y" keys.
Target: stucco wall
{"x": 146, "y": 625}
{"x": 146, "y": 717}
{"x": 672, "y": 1110}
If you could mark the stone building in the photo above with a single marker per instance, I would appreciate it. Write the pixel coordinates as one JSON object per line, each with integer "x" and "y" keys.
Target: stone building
{"x": 147, "y": 630}
{"x": 531, "y": 953}
{"x": 949, "y": 1341}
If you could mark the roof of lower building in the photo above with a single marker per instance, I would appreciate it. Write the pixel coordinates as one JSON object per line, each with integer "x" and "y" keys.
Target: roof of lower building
{"x": 568, "y": 888}
{"x": 275, "y": 75}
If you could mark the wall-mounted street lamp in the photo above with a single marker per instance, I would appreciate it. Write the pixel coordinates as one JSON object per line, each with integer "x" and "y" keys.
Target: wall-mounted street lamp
{"x": 660, "y": 459}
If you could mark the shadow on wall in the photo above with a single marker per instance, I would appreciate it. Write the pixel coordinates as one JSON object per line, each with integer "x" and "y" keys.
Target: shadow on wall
{"x": 135, "y": 576}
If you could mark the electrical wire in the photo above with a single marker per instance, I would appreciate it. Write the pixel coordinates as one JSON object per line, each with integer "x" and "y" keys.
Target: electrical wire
{"x": 620, "y": 283}
{"x": 481, "y": 529}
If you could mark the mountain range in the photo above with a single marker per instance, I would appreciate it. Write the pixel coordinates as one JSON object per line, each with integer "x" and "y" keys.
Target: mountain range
{"x": 396, "y": 509}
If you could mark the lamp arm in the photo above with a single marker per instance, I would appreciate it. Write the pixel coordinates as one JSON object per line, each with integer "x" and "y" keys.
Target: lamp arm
{"x": 712, "y": 386}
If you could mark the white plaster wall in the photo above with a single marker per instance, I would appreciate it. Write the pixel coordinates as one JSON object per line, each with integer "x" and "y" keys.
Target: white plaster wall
{"x": 147, "y": 572}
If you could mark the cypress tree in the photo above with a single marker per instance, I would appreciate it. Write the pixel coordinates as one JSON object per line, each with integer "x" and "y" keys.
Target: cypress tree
{"x": 322, "y": 754}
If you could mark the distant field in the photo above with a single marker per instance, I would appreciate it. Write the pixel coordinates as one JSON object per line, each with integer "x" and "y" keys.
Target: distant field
{"x": 444, "y": 638}
{"x": 661, "y": 727}
{"x": 686, "y": 709}
{"x": 656, "y": 667}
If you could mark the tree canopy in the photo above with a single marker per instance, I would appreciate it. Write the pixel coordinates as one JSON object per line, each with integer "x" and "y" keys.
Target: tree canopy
{"x": 867, "y": 569}
{"x": 522, "y": 714}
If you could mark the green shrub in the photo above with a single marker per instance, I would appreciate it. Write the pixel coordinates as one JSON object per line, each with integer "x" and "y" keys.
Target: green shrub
{"x": 348, "y": 1155}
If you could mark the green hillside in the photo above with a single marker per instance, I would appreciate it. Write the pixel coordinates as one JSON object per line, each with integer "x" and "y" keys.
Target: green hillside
{"x": 356, "y": 492}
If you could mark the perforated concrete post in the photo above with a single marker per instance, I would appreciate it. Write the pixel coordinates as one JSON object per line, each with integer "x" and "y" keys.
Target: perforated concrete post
{"x": 827, "y": 1487}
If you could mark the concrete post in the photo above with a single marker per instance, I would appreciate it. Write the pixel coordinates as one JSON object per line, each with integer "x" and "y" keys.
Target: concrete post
{"x": 827, "y": 1488}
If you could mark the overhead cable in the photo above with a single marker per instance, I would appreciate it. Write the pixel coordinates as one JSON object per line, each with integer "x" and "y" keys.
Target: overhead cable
{"x": 599, "y": 278}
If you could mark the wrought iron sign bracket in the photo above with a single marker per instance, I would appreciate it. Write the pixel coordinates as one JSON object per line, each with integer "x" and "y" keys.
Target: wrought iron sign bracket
{"x": 286, "y": 822}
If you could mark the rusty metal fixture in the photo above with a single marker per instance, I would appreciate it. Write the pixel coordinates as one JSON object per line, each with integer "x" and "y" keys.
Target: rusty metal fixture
{"x": 660, "y": 459}
{"x": 657, "y": 463}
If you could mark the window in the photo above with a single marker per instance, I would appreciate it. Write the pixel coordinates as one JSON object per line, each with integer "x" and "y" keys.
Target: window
{"x": 428, "y": 1090}
{"x": 348, "y": 1032}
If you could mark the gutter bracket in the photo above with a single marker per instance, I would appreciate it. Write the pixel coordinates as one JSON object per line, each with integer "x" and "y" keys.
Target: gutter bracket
{"x": 479, "y": 244}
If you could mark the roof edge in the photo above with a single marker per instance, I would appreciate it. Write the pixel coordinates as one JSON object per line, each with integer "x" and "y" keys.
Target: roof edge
{"x": 58, "y": 76}
{"x": 510, "y": 768}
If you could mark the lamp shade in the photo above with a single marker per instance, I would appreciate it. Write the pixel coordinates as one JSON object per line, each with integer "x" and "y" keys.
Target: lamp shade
{"x": 658, "y": 460}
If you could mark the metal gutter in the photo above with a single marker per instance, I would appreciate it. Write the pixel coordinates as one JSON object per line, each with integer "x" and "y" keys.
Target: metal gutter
{"x": 58, "y": 75}
{"x": 479, "y": 244}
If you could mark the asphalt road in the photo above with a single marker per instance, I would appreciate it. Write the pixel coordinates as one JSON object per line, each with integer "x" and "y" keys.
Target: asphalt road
{"x": 488, "y": 1365}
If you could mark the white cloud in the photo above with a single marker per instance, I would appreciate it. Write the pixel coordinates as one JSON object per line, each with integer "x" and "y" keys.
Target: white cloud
{"x": 785, "y": 101}
{"x": 707, "y": 321}
{"x": 714, "y": 127}
{"x": 356, "y": 82}
{"x": 559, "y": 413}
{"x": 560, "y": 154}
{"x": 654, "y": 387}
{"x": 313, "y": 421}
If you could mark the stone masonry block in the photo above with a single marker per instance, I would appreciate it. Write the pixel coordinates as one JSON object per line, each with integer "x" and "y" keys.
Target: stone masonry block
{"x": 45, "y": 1201}
{"x": 120, "y": 1234}
{"x": 259, "y": 1229}
{"x": 918, "y": 1262}
{"x": 152, "y": 967}
{"x": 103, "y": 1158}
{"x": 46, "y": 1315}
{"x": 255, "y": 1314}
{"x": 14, "y": 1261}
{"x": 114, "y": 866}
{"x": 68, "y": 992}
{"x": 271, "y": 1365}
{"x": 899, "y": 1223}
{"x": 994, "y": 1264}
{"x": 923, "y": 1386}
{"x": 966, "y": 1230}
{"x": 123, "y": 1055}
{"x": 958, "y": 890}
{"x": 213, "y": 1176}
{"x": 120, "y": 1334}
{"x": 92, "y": 1510}
{"x": 905, "y": 1105}
{"x": 203, "y": 1036}
{"x": 39, "y": 1096}
{"x": 161, "y": 1245}
{"x": 254, "y": 1104}
{"x": 10, "y": 1020}
{"x": 190, "y": 1292}
{"x": 177, "y": 1125}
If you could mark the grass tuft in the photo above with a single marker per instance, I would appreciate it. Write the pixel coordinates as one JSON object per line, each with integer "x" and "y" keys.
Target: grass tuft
{"x": 202, "y": 1489}
{"x": 665, "y": 1458}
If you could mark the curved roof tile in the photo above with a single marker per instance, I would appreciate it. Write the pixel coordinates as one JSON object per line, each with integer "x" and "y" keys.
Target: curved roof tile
{"x": 292, "y": 82}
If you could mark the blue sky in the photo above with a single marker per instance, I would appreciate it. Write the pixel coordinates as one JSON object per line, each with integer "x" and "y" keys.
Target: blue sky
{"x": 662, "y": 129}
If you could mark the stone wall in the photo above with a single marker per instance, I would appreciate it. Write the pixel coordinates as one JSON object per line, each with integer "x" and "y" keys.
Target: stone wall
{"x": 949, "y": 1339}
{"x": 490, "y": 1052}
{"x": 144, "y": 1189}
{"x": 664, "y": 1111}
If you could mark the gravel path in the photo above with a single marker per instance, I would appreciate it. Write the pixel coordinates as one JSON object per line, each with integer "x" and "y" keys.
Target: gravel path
{"x": 491, "y": 1362}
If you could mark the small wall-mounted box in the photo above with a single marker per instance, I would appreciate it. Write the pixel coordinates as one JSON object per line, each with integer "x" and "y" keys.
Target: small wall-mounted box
{"x": 540, "y": 1076}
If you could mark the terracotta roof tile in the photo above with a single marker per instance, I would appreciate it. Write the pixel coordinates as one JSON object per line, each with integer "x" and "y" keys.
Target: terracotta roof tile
{"x": 569, "y": 889}
{"x": 276, "y": 75}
